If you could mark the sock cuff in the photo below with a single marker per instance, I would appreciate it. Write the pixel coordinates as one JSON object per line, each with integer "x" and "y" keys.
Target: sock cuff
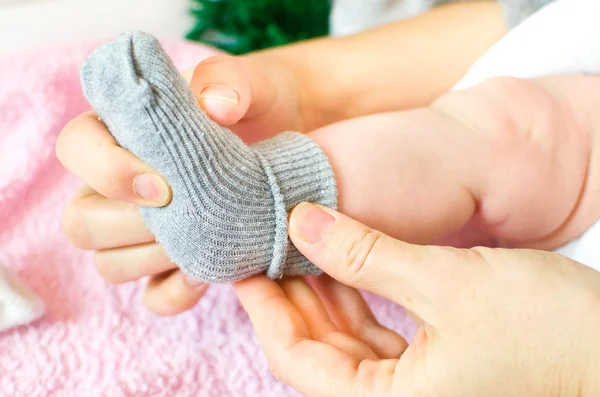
{"x": 298, "y": 170}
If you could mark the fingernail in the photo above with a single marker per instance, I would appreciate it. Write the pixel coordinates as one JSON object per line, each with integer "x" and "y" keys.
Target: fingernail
{"x": 310, "y": 222}
{"x": 193, "y": 282}
{"x": 151, "y": 187}
{"x": 223, "y": 93}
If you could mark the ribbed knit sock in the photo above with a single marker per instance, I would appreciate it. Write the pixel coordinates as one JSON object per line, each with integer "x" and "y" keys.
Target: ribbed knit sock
{"x": 228, "y": 217}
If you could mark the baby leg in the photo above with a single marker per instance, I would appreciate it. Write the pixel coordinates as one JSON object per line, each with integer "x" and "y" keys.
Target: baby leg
{"x": 515, "y": 156}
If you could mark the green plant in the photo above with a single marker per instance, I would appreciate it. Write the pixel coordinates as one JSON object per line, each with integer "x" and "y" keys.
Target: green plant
{"x": 241, "y": 26}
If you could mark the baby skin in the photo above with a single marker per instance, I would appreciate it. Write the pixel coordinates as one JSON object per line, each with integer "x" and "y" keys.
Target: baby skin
{"x": 514, "y": 158}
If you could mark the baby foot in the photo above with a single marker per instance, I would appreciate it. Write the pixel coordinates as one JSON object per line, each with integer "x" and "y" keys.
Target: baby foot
{"x": 228, "y": 217}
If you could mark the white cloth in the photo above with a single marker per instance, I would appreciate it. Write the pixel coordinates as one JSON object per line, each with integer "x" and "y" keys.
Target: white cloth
{"x": 18, "y": 304}
{"x": 586, "y": 249}
{"x": 561, "y": 38}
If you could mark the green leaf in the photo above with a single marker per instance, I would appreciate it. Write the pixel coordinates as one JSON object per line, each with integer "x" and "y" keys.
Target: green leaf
{"x": 241, "y": 26}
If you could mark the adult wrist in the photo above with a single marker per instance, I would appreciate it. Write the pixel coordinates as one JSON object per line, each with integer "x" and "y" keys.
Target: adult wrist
{"x": 297, "y": 69}
{"x": 287, "y": 77}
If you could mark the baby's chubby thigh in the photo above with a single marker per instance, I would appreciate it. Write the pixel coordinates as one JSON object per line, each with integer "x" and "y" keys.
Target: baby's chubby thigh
{"x": 505, "y": 153}
{"x": 555, "y": 124}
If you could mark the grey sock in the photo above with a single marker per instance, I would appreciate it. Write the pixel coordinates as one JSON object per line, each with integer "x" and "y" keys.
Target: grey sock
{"x": 228, "y": 217}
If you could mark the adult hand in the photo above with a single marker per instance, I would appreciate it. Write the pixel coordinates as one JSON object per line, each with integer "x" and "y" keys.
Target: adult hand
{"x": 493, "y": 322}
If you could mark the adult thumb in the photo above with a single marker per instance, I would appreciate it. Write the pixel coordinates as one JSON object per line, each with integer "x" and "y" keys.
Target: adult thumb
{"x": 222, "y": 89}
{"x": 420, "y": 278}
{"x": 231, "y": 88}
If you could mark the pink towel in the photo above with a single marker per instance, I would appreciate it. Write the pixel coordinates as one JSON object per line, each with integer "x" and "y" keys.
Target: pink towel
{"x": 96, "y": 339}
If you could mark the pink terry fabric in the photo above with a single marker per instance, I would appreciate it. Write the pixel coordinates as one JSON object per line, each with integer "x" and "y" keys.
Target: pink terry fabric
{"x": 96, "y": 339}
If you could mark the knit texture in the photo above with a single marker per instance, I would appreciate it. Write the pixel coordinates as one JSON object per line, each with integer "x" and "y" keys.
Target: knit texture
{"x": 228, "y": 217}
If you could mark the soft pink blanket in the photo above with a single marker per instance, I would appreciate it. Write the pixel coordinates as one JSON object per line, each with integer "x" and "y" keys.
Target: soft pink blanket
{"x": 96, "y": 339}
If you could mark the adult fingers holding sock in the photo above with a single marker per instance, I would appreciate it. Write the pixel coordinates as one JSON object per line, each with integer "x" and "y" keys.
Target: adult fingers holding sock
{"x": 103, "y": 215}
{"x": 494, "y": 322}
